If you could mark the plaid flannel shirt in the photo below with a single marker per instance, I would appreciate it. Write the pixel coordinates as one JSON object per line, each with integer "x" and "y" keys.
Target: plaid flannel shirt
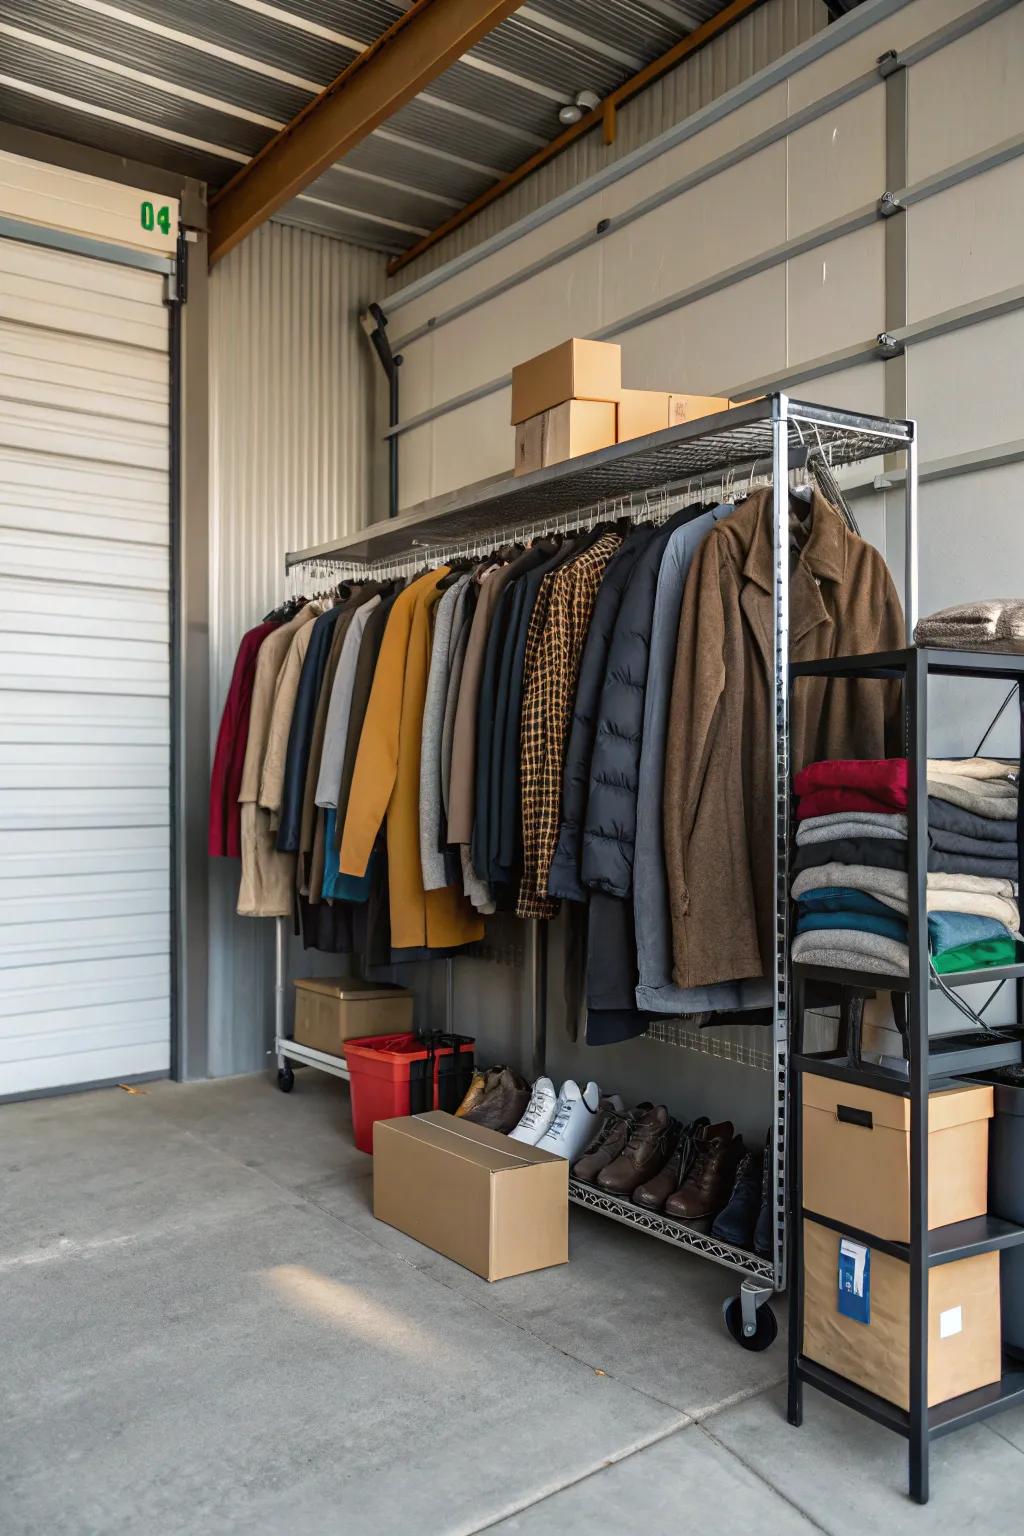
{"x": 554, "y": 645}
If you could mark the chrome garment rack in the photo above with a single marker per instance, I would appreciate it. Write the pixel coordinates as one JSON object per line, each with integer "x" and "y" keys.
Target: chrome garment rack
{"x": 723, "y": 455}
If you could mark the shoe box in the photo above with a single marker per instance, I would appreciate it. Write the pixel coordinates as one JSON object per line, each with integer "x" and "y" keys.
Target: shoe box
{"x": 856, "y": 1155}
{"x": 332, "y": 1009}
{"x": 498, "y": 1207}
{"x": 964, "y": 1346}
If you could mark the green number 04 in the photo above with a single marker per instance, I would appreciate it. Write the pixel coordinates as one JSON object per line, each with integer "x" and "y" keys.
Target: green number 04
{"x": 155, "y": 218}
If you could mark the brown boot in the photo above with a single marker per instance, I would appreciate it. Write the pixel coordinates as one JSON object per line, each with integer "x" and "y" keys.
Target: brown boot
{"x": 475, "y": 1092}
{"x": 504, "y": 1099}
{"x": 707, "y": 1187}
{"x": 606, "y": 1146}
{"x": 646, "y": 1153}
{"x": 655, "y": 1192}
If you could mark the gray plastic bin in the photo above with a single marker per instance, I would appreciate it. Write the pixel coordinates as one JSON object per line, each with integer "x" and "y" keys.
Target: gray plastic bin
{"x": 1006, "y": 1199}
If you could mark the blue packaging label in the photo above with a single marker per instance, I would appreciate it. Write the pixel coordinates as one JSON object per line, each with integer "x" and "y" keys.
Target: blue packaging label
{"x": 855, "y": 1280}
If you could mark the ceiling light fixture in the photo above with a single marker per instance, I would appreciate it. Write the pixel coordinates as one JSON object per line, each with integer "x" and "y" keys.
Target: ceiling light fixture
{"x": 585, "y": 101}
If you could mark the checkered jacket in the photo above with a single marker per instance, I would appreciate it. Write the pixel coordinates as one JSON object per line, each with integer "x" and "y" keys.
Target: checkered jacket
{"x": 554, "y": 645}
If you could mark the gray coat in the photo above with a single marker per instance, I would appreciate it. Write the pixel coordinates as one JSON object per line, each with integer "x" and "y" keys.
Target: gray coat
{"x": 431, "y": 856}
{"x": 656, "y": 991}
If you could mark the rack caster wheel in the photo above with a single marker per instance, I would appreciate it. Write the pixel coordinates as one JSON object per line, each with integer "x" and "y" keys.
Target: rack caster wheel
{"x": 759, "y": 1332}
{"x": 285, "y": 1079}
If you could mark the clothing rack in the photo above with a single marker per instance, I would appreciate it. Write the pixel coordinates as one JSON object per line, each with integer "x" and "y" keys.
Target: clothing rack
{"x": 721, "y": 456}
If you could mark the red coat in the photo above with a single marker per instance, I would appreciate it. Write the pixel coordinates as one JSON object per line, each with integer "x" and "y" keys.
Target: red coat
{"x": 229, "y": 756}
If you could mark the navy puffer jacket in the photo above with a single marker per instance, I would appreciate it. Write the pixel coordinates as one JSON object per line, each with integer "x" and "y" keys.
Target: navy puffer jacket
{"x": 564, "y": 881}
{"x": 609, "y": 827}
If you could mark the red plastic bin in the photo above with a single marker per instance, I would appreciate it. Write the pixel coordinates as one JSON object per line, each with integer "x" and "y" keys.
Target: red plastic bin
{"x": 386, "y": 1081}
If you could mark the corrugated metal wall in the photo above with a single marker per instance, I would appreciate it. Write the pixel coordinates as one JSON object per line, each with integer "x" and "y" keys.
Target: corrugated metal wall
{"x": 756, "y": 41}
{"x": 294, "y": 392}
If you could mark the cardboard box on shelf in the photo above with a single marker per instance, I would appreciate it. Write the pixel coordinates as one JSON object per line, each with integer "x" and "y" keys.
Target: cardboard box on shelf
{"x": 856, "y": 1156}
{"x": 496, "y": 1206}
{"x": 652, "y": 410}
{"x": 575, "y": 370}
{"x": 332, "y": 1009}
{"x": 564, "y": 432}
{"x": 964, "y": 1348}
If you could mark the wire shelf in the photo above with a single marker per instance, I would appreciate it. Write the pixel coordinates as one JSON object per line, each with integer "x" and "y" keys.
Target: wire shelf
{"x": 705, "y": 1042}
{"x": 655, "y": 1224}
{"x": 736, "y": 440}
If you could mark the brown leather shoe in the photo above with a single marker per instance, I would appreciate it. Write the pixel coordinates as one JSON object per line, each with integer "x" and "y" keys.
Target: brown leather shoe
{"x": 655, "y": 1192}
{"x": 707, "y": 1187}
{"x": 474, "y": 1093}
{"x": 504, "y": 1099}
{"x": 646, "y": 1152}
{"x": 609, "y": 1142}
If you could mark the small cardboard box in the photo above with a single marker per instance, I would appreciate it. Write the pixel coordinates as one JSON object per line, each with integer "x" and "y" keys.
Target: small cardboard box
{"x": 564, "y": 432}
{"x": 856, "y": 1155}
{"x": 332, "y": 1009}
{"x": 650, "y": 410}
{"x": 574, "y": 370}
{"x": 496, "y": 1206}
{"x": 964, "y": 1347}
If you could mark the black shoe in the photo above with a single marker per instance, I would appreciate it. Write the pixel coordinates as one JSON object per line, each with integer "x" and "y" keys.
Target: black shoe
{"x": 763, "y": 1245}
{"x": 736, "y": 1223}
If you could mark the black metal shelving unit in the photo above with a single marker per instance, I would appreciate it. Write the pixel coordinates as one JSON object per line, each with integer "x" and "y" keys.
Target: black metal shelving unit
{"x": 931, "y": 1062}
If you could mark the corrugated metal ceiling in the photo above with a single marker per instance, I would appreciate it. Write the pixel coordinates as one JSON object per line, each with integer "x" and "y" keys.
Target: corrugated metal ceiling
{"x": 199, "y": 86}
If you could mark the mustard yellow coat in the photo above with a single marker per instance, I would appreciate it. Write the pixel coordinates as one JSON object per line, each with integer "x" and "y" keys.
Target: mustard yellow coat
{"x": 386, "y": 781}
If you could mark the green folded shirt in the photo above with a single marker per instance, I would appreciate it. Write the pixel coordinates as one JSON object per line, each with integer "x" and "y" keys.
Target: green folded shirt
{"x": 971, "y": 957}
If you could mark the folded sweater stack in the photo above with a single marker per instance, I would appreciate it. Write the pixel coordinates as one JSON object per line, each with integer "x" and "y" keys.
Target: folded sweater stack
{"x": 851, "y": 864}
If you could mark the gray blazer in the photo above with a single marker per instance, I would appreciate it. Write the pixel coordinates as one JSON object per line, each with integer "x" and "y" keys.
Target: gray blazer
{"x": 431, "y": 856}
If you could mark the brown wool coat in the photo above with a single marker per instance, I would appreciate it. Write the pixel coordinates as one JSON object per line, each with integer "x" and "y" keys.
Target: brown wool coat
{"x": 719, "y": 818}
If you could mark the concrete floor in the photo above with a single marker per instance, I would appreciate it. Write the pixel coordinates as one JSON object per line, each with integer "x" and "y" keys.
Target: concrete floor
{"x": 203, "y": 1330}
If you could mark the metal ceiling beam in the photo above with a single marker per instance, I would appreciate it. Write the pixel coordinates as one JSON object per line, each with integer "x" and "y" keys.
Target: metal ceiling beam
{"x": 411, "y": 53}
{"x": 603, "y": 114}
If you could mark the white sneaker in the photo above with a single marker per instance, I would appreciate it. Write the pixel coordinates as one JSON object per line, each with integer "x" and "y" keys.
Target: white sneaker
{"x": 538, "y": 1114}
{"x": 575, "y": 1121}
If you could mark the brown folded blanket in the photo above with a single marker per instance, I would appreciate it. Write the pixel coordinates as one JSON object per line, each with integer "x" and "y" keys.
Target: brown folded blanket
{"x": 995, "y": 624}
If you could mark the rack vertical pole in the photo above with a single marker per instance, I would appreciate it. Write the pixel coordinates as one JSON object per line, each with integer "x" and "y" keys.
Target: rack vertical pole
{"x": 910, "y": 578}
{"x": 917, "y": 751}
{"x": 280, "y": 949}
{"x": 538, "y": 965}
{"x": 780, "y": 855}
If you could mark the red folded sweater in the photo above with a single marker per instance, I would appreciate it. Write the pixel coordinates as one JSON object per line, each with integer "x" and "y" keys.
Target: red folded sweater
{"x": 878, "y": 781}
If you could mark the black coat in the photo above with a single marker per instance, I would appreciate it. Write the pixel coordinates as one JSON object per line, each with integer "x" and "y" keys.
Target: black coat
{"x": 301, "y": 734}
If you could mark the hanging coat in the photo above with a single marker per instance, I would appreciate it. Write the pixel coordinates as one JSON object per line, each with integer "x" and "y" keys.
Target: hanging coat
{"x": 386, "y": 781}
{"x": 719, "y": 818}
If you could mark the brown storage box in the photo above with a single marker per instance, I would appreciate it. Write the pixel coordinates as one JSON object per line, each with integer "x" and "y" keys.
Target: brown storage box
{"x": 857, "y": 1155}
{"x": 332, "y": 1009}
{"x": 498, "y": 1207}
{"x": 564, "y": 432}
{"x": 964, "y": 1346}
{"x": 574, "y": 370}
{"x": 650, "y": 410}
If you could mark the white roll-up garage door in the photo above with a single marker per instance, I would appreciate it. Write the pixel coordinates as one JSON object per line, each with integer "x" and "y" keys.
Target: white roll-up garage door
{"x": 84, "y": 671}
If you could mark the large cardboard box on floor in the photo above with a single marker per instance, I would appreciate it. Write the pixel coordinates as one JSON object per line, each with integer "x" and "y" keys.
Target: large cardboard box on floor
{"x": 856, "y": 1155}
{"x": 564, "y": 432}
{"x": 496, "y": 1206}
{"x": 641, "y": 411}
{"x": 332, "y": 1009}
{"x": 964, "y": 1345}
{"x": 575, "y": 370}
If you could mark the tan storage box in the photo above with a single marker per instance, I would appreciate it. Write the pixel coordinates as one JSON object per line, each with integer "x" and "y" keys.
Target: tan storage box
{"x": 498, "y": 1207}
{"x": 964, "y": 1346}
{"x": 650, "y": 410}
{"x": 856, "y": 1155}
{"x": 574, "y": 370}
{"x": 332, "y": 1009}
{"x": 564, "y": 432}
